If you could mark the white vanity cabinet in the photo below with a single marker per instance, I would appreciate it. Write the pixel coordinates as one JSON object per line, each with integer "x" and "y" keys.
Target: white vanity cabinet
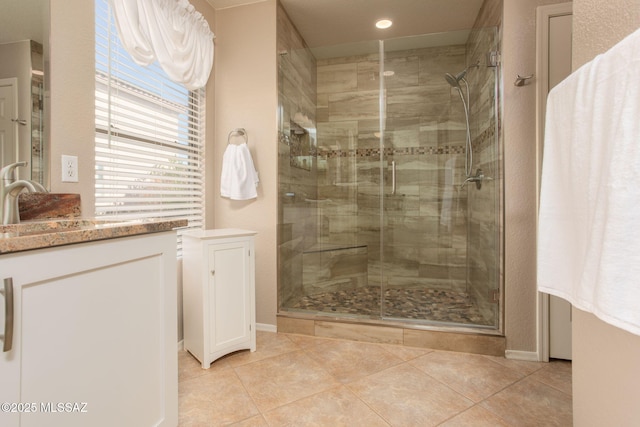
{"x": 94, "y": 334}
{"x": 218, "y": 279}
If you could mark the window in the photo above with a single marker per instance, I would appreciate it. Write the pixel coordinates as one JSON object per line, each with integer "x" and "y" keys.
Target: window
{"x": 149, "y": 144}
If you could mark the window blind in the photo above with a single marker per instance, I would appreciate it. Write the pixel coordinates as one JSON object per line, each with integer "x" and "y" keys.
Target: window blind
{"x": 149, "y": 143}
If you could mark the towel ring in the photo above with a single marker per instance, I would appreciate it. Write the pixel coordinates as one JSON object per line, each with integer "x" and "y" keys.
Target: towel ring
{"x": 238, "y": 131}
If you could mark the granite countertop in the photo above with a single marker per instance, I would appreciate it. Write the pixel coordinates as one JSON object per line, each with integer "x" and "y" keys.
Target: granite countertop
{"x": 31, "y": 235}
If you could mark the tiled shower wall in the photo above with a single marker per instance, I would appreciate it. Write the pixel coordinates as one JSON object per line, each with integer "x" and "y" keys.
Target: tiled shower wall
{"x": 424, "y": 222}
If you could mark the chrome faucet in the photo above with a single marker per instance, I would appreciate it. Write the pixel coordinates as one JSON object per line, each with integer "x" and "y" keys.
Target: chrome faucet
{"x": 10, "y": 188}
{"x": 8, "y": 173}
{"x": 11, "y": 213}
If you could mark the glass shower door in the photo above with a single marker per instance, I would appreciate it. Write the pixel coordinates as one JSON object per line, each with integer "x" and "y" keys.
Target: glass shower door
{"x": 435, "y": 263}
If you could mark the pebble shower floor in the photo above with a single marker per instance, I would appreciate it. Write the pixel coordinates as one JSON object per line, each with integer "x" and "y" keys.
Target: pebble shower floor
{"x": 415, "y": 304}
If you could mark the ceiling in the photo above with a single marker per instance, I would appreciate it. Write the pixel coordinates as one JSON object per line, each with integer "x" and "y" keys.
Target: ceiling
{"x": 332, "y": 22}
{"x": 321, "y": 22}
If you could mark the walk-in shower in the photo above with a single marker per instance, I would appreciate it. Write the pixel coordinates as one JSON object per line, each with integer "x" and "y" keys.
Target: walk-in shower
{"x": 375, "y": 224}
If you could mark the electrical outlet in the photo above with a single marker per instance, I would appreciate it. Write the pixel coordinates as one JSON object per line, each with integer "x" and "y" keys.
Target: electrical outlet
{"x": 69, "y": 168}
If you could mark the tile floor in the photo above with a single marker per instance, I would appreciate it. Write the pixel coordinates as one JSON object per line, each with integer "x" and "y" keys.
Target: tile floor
{"x": 296, "y": 380}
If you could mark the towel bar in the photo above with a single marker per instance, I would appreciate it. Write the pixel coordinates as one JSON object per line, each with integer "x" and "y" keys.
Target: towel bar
{"x": 238, "y": 131}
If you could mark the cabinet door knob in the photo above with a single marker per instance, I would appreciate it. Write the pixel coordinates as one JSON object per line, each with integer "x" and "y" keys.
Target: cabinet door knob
{"x": 213, "y": 272}
{"x": 8, "y": 314}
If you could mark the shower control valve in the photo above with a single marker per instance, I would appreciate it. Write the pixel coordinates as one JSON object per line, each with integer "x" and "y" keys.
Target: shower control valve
{"x": 477, "y": 178}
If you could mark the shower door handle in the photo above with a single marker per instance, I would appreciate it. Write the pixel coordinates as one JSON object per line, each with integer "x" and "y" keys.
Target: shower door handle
{"x": 393, "y": 177}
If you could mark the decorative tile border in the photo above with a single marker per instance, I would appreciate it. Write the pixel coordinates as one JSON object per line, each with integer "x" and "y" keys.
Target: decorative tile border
{"x": 482, "y": 142}
{"x": 390, "y": 151}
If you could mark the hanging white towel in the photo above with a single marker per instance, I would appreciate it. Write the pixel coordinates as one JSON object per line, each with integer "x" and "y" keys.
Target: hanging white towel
{"x": 239, "y": 178}
{"x": 589, "y": 231}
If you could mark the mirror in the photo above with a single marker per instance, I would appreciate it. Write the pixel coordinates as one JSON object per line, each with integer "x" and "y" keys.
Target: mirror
{"x": 24, "y": 58}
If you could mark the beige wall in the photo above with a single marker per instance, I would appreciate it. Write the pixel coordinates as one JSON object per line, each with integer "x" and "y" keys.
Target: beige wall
{"x": 246, "y": 96}
{"x": 605, "y": 373}
{"x": 605, "y": 358}
{"x": 72, "y": 96}
{"x": 519, "y": 138}
{"x": 599, "y": 24}
{"x": 210, "y": 126}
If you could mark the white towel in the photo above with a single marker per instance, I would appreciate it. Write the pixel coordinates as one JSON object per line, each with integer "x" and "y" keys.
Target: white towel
{"x": 239, "y": 178}
{"x": 589, "y": 219}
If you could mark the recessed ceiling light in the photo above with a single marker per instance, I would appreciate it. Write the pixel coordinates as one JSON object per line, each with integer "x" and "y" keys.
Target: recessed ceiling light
{"x": 384, "y": 23}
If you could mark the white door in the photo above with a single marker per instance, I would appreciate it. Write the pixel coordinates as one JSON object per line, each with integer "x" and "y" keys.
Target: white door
{"x": 556, "y": 60}
{"x": 8, "y": 125}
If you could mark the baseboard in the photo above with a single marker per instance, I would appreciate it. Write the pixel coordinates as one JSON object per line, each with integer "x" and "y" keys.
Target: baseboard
{"x": 527, "y": 356}
{"x": 259, "y": 327}
{"x": 265, "y": 327}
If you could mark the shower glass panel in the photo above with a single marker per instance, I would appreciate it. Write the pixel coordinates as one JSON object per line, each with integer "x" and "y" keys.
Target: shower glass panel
{"x": 440, "y": 246}
{"x": 374, "y": 220}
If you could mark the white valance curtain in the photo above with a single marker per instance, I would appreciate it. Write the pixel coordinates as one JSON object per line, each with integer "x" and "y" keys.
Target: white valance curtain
{"x": 169, "y": 31}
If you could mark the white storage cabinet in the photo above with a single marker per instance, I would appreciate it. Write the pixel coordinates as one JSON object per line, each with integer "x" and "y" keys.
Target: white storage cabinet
{"x": 218, "y": 279}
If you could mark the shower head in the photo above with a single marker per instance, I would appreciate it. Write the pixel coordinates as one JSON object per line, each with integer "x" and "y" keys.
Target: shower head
{"x": 454, "y": 81}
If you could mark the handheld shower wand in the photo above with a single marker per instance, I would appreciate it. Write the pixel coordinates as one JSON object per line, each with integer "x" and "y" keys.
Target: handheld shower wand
{"x": 454, "y": 81}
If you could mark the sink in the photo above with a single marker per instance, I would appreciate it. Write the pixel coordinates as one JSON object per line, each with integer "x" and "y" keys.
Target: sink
{"x": 43, "y": 206}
